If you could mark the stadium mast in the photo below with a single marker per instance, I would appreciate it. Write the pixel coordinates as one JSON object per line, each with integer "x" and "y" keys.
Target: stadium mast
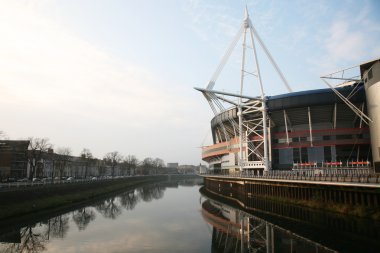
{"x": 255, "y": 105}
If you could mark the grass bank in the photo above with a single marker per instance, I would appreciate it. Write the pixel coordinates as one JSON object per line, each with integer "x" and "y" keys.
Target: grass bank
{"x": 50, "y": 198}
{"x": 319, "y": 205}
{"x": 353, "y": 210}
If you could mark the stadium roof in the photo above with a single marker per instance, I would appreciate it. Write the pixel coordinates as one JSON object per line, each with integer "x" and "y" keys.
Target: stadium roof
{"x": 312, "y": 98}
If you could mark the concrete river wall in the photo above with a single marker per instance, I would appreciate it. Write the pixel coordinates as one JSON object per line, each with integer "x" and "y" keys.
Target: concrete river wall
{"x": 353, "y": 198}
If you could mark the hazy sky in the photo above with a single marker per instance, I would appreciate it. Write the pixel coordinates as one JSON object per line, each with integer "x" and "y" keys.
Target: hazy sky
{"x": 119, "y": 75}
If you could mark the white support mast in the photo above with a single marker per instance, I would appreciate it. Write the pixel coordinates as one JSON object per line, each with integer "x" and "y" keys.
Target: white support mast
{"x": 251, "y": 111}
{"x": 264, "y": 109}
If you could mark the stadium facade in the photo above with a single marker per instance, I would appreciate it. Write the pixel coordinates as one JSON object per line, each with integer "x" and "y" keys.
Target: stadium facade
{"x": 307, "y": 129}
{"x": 337, "y": 127}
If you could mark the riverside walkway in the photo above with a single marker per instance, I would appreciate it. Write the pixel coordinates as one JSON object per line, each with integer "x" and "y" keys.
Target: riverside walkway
{"x": 341, "y": 186}
{"x": 343, "y": 176}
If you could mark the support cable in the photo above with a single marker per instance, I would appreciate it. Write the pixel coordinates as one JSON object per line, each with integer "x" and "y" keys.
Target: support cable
{"x": 357, "y": 111}
{"x": 225, "y": 58}
{"x": 270, "y": 57}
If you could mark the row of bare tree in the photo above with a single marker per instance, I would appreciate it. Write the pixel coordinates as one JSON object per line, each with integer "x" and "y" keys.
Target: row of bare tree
{"x": 40, "y": 150}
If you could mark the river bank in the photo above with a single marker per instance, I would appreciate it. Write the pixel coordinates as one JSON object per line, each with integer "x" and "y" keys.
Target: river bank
{"x": 27, "y": 202}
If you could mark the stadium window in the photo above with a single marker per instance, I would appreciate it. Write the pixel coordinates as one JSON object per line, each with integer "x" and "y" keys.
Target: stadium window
{"x": 296, "y": 154}
{"x": 275, "y": 157}
{"x": 327, "y": 153}
{"x": 304, "y": 155}
{"x": 377, "y": 167}
{"x": 343, "y": 137}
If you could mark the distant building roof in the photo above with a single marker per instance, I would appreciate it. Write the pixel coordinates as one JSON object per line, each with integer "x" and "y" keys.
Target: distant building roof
{"x": 14, "y": 144}
{"x": 172, "y": 165}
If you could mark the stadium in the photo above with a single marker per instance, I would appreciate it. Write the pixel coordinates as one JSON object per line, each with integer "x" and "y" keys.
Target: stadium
{"x": 337, "y": 127}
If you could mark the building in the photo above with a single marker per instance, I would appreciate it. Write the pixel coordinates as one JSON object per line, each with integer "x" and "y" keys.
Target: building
{"x": 172, "y": 165}
{"x": 13, "y": 158}
{"x": 188, "y": 169}
{"x": 334, "y": 127}
{"x": 14, "y": 163}
{"x": 370, "y": 73}
{"x": 314, "y": 128}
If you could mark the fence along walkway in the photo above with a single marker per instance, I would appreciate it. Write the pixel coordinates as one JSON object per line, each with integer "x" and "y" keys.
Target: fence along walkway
{"x": 339, "y": 175}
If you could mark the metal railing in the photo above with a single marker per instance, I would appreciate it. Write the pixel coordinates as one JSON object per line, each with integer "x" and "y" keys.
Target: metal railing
{"x": 342, "y": 175}
{"x": 14, "y": 185}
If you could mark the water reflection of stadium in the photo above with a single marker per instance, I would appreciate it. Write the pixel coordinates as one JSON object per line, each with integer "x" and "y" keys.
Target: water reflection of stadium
{"x": 235, "y": 229}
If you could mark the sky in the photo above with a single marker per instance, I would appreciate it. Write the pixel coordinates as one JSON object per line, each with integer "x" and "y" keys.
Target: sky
{"x": 118, "y": 75}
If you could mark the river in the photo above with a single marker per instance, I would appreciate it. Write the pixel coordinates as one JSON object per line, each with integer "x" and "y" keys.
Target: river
{"x": 173, "y": 216}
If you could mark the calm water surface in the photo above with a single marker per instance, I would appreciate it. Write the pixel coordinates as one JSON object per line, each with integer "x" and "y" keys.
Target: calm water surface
{"x": 162, "y": 217}
{"x": 172, "y": 216}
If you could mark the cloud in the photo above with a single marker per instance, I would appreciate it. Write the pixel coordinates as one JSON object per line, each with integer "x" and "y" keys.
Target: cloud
{"x": 342, "y": 42}
{"x": 43, "y": 64}
{"x": 59, "y": 85}
{"x": 212, "y": 21}
{"x": 349, "y": 40}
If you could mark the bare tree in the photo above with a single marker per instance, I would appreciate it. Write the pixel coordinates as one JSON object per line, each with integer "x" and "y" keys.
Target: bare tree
{"x": 158, "y": 164}
{"x": 113, "y": 159}
{"x": 101, "y": 166}
{"x": 131, "y": 163}
{"x": 123, "y": 167}
{"x": 146, "y": 165}
{"x": 53, "y": 158}
{"x": 37, "y": 147}
{"x": 150, "y": 165}
{"x": 86, "y": 155}
{"x": 64, "y": 157}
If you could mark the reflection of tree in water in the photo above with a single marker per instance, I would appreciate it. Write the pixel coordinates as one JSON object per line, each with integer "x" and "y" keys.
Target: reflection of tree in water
{"x": 150, "y": 192}
{"x": 32, "y": 241}
{"x": 57, "y": 227}
{"x": 158, "y": 192}
{"x": 109, "y": 208}
{"x": 83, "y": 217}
{"x": 34, "y": 238}
{"x": 129, "y": 200}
